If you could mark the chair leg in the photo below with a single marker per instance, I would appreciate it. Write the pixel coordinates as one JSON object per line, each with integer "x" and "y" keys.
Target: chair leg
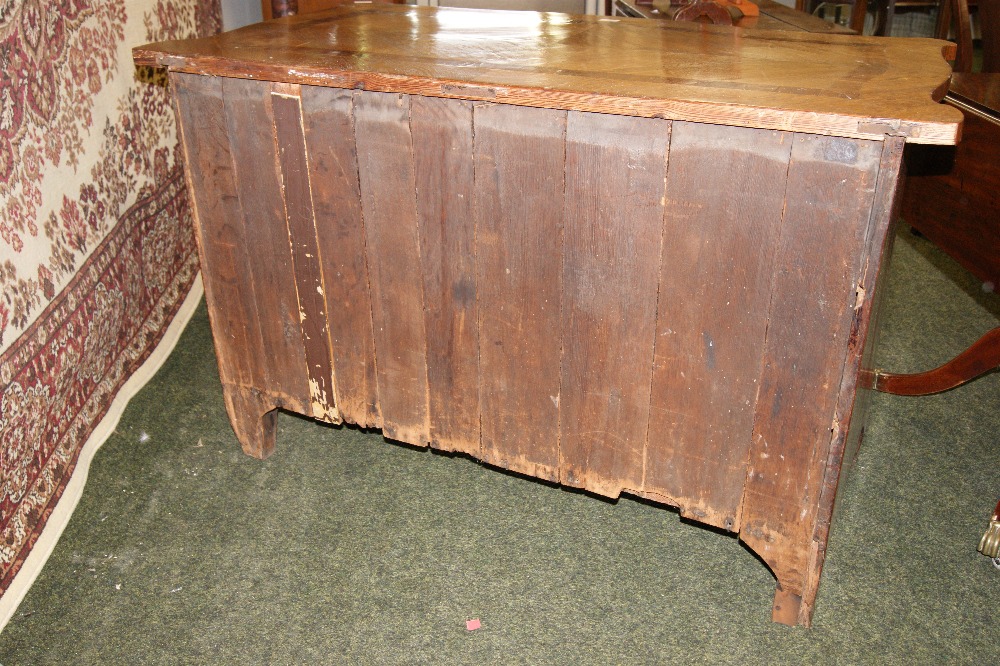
{"x": 281, "y": 8}
{"x": 858, "y": 12}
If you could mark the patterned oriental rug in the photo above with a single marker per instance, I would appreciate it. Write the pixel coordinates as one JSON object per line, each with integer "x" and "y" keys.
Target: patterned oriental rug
{"x": 97, "y": 252}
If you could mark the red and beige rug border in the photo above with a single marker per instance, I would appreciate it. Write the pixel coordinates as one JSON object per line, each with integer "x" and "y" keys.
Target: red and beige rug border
{"x": 72, "y": 491}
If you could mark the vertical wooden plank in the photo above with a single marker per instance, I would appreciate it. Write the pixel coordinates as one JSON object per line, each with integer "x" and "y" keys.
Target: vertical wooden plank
{"x": 615, "y": 173}
{"x": 866, "y": 328}
{"x": 218, "y": 218}
{"x": 290, "y": 141}
{"x": 724, "y": 201}
{"x": 853, "y": 402}
{"x": 519, "y": 162}
{"x": 251, "y": 135}
{"x": 442, "y": 156}
{"x": 831, "y": 187}
{"x": 222, "y": 245}
{"x": 388, "y": 203}
{"x": 333, "y": 176}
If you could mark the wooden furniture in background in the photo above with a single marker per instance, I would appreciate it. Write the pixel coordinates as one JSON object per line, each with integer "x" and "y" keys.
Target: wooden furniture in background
{"x": 955, "y": 19}
{"x": 989, "y": 26}
{"x": 859, "y": 10}
{"x": 952, "y": 196}
{"x": 981, "y": 357}
{"x": 279, "y": 8}
{"x": 882, "y": 12}
{"x": 564, "y": 6}
{"x": 718, "y": 12}
{"x": 773, "y": 16}
{"x": 989, "y": 545}
{"x": 483, "y": 249}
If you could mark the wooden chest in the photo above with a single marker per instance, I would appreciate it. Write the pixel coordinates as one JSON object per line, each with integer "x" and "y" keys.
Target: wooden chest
{"x": 623, "y": 255}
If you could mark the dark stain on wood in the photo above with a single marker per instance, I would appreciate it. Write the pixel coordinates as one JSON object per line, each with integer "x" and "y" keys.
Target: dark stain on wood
{"x": 333, "y": 174}
{"x": 307, "y": 269}
{"x": 442, "y": 155}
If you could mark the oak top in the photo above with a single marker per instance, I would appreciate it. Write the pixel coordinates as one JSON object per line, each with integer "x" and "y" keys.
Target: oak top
{"x": 863, "y": 87}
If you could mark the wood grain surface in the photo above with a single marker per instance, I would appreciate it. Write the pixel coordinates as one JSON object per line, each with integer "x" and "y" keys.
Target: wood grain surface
{"x": 443, "y": 159}
{"x": 676, "y": 310}
{"x": 615, "y": 174}
{"x": 389, "y": 210}
{"x": 328, "y": 121}
{"x": 519, "y": 161}
{"x": 269, "y": 258}
{"x": 219, "y": 224}
{"x": 305, "y": 252}
{"x": 222, "y": 245}
{"x": 863, "y": 87}
{"x": 710, "y": 342}
{"x": 813, "y": 296}
{"x": 854, "y": 399}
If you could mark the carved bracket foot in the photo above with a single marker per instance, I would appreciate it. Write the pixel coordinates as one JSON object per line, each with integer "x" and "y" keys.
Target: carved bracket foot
{"x": 254, "y": 418}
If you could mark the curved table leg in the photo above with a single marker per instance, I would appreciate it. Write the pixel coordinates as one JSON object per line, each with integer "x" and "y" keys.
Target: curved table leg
{"x": 981, "y": 357}
{"x": 989, "y": 545}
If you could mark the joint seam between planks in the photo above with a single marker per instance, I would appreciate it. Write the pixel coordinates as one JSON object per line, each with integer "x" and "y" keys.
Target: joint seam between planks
{"x": 319, "y": 260}
{"x": 475, "y": 251}
{"x": 656, "y": 306}
{"x": 426, "y": 435}
{"x": 328, "y": 404}
{"x": 379, "y": 420}
{"x": 561, "y": 290}
{"x": 475, "y": 272}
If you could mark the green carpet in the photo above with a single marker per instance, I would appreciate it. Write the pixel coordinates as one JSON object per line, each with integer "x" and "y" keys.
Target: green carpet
{"x": 344, "y": 548}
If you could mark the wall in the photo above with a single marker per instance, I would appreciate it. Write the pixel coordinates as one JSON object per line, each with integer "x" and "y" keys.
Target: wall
{"x": 238, "y": 13}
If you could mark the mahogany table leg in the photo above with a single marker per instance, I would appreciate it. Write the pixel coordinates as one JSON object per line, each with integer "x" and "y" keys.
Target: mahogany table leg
{"x": 989, "y": 545}
{"x": 254, "y": 418}
{"x": 981, "y": 357}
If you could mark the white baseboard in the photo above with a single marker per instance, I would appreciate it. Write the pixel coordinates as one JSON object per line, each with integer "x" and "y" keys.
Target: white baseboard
{"x": 60, "y": 516}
